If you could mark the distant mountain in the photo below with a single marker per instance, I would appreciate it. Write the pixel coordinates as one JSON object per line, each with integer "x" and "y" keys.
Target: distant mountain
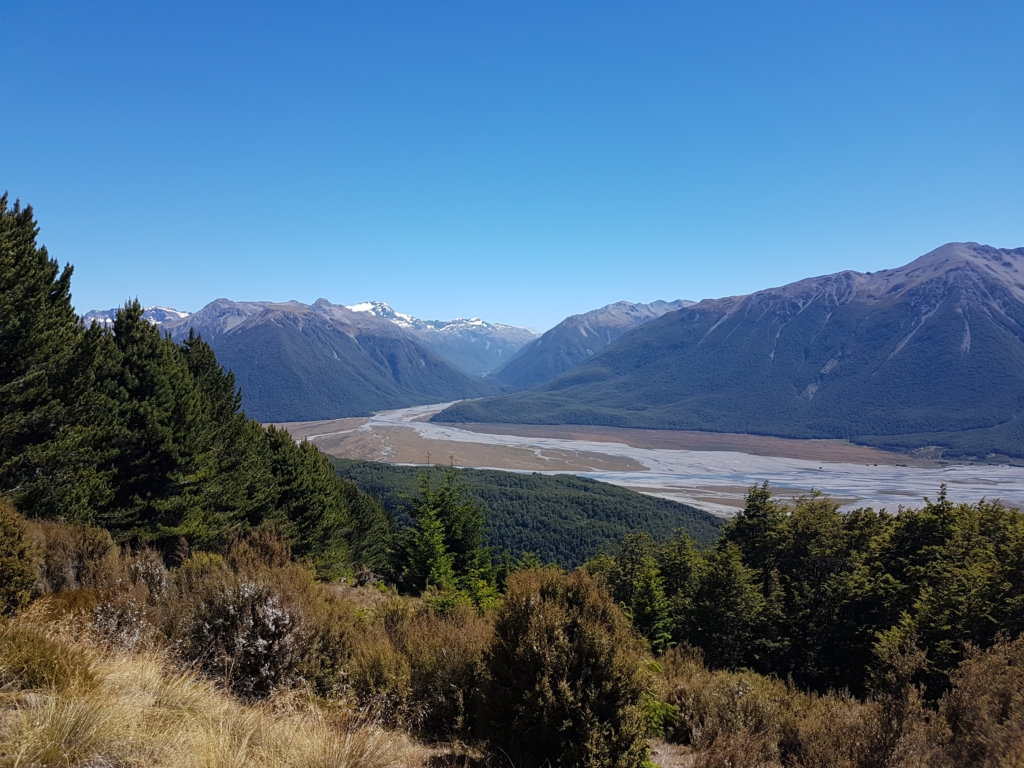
{"x": 472, "y": 346}
{"x": 299, "y": 362}
{"x": 578, "y": 338}
{"x": 927, "y": 355}
{"x": 155, "y": 315}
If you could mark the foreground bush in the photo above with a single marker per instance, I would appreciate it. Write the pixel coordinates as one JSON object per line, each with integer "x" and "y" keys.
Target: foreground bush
{"x": 73, "y": 556}
{"x": 17, "y": 571}
{"x": 567, "y": 676}
{"x": 734, "y": 719}
{"x": 985, "y": 708}
{"x": 241, "y": 619}
{"x": 424, "y": 669}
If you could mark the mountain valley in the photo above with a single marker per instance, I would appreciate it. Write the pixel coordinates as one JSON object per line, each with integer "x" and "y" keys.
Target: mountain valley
{"x": 473, "y": 346}
{"x": 929, "y": 356}
{"x": 298, "y": 362}
{"x": 925, "y": 358}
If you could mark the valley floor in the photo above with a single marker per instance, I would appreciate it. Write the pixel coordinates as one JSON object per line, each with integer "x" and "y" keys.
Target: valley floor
{"x": 708, "y": 470}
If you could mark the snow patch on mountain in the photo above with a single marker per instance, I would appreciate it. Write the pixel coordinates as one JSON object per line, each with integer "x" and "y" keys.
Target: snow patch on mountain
{"x": 473, "y": 345}
{"x": 155, "y": 315}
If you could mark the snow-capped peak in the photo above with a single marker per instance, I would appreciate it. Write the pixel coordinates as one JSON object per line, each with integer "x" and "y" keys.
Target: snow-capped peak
{"x": 380, "y": 309}
{"x": 155, "y": 315}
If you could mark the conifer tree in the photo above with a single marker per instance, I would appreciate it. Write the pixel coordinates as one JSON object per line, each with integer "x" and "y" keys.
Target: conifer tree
{"x": 239, "y": 489}
{"x": 47, "y": 443}
{"x": 310, "y": 512}
{"x": 448, "y": 526}
{"x": 17, "y": 566}
{"x": 157, "y": 440}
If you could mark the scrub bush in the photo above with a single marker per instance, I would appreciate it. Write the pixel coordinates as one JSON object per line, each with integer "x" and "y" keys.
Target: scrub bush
{"x": 567, "y": 676}
{"x": 17, "y": 571}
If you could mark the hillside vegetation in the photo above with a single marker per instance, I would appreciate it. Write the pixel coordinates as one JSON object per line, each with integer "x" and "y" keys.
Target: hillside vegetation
{"x": 930, "y": 354}
{"x": 562, "y": 519}
{"x": 180, "y": 587}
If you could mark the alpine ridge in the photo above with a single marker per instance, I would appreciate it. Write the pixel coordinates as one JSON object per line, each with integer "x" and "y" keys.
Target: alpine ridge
{"x": 928, "y": 356}
{"x": 473, "y": 346}
{"x": 155, "y": 315}
{"x": 578, "y": 338}
{"x": 304, "y": 362}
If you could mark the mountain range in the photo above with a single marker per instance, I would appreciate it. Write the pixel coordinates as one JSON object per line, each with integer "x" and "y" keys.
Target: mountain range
{"x": 578, "y": 338}
{"x": 473, "y": 346}
{"x": 156, "y": 315}
{"x": 928, "y": 356}
{"x": 299, "y": 362}
{"x": 303, "y": 362}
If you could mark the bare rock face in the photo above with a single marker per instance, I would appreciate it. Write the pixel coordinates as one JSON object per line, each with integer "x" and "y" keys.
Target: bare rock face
{"x": 926, "y": 355}
{"x": 578, "y": 338}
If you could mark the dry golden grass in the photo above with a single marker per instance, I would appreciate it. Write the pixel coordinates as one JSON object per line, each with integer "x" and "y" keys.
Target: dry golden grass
{"x": 135, "y": 710}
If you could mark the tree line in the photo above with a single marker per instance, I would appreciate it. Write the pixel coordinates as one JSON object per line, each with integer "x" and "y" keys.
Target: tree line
{"x": 125, "y": 429}
{"x": 827, "y": 599}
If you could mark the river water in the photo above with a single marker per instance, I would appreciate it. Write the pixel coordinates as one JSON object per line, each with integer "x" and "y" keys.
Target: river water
{"x": 715, "y": 480}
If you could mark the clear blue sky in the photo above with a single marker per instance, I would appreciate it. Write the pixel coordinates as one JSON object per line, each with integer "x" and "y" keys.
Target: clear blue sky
{"x": 517, "y": 161}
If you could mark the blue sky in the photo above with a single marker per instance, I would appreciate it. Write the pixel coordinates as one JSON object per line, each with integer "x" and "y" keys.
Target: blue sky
{"x": 515, "y": 161}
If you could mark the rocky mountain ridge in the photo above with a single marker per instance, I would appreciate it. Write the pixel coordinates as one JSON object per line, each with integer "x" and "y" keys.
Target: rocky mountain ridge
{"x": 578, "y": 338}
{"x": 926, "y": 356}
{"x": 304, "y": 362}
{"x": 472, "y": 345}
{"x": 155, "y": 315}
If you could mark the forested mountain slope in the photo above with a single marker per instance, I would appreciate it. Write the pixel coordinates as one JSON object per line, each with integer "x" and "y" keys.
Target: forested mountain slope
{"x": 576, "y": 339}
{"x": 929, "y": 354}
{"x": 298, "y": 362}
{"x": 561, "y": 518}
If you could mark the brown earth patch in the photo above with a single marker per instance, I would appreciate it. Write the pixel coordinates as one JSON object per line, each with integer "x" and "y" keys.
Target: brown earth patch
{"x": 681, "y": 440}
{"x": 400, "y": 445}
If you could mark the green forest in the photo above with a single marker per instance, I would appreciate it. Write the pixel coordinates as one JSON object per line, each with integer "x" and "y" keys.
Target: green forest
{"x": 180, "y": 586}
{"x": 562, "y": 519}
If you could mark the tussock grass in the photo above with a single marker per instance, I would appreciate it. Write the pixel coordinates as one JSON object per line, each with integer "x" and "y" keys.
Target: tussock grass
{"x": 134, "y": 709}
{"x": 30, "y": 659}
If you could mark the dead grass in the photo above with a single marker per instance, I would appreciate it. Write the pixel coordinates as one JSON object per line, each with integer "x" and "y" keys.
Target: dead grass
{"x": 136, "y": 710}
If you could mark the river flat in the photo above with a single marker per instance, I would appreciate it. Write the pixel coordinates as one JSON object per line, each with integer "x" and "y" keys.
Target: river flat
{"x": 710, "y": 471}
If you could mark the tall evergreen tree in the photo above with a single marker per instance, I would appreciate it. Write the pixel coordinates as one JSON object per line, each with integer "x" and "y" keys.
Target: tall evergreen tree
{"x": 47, "y": 443}
{"x": 448, "y": 522}
{"x": 311, "y": 509}
{"x": 238, "y": 485}
{"x": 157, "y": 438}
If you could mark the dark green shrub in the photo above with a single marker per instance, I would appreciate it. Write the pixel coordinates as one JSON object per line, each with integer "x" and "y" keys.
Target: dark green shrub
{"x": 380, "y": 676}
{"x": 422, "y": 669}
{"x": 17, "y": 571}
{"x": 330, "y": 631}
{"x": 445, "y": 653}
{"x": 567, "y": 676}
